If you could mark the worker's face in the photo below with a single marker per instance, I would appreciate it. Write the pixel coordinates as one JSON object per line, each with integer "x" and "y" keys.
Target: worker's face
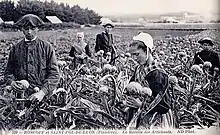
{"x": 108, "y": 28}
{"x": 138, "y": 54}
{"x": 30, "y": 32}
{"x": 79, "y": 38}
{"x": 206, "y": 46}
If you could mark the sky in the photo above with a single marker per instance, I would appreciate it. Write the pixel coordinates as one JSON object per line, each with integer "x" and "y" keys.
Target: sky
{"x": 111, "y": 7}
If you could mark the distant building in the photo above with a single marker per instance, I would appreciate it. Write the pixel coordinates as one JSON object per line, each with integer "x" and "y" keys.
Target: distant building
{"x": 168, "y": 19}
{"x": 141, "y": 19}
{"x": 131, "y": 24}
{"x": 193, "y": 18}
{"x": 54, "y": 19}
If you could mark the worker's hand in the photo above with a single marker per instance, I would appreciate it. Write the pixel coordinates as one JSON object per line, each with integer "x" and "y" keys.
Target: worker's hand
{"x": 16, "y": 85}
{"x": 133, "y": 102}
{"x": 37, "y": 96}
{"x": 22, "y": 84}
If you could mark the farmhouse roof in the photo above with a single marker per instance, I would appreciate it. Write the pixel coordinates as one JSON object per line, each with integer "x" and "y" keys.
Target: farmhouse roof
{"x": 54, "y": 19}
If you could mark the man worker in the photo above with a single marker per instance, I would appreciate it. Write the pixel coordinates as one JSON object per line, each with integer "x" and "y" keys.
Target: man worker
{"x": 104, "y": 41}
{"x": 33, "y": 60}
{"x": 207, "y": 54}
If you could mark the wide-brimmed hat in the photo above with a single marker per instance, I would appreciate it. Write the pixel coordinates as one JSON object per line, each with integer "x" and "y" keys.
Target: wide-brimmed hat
{"x": 108, "y": 24}
{"x": 146, "y": 39}
{"x": 29, "y": 20}
{"x": 206, "y": 40}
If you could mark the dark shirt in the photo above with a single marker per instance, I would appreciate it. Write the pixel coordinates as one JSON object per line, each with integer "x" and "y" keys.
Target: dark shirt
{"x": 35, "y": 62}
{"x": 207, "y": 55}
{"x": 104, "y": 42}
{"x": 157, "y": 80}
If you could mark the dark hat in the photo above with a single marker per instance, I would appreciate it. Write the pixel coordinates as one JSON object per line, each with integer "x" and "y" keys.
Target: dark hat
{"x": 29, "y": 20}
{"x": 206, "y": 40}
{"x": 108, "y": 24}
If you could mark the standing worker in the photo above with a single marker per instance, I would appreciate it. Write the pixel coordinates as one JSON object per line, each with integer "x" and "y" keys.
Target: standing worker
{"x": 207, "y": 54}
{"x": 104, "y": 41}
{"x": 80, "y": 51}
{"x": 32, "y": 60}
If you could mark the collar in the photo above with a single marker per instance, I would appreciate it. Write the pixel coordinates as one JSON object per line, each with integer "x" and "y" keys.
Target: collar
{"x": 26, "y": 40}
{"x": 81, "y": 45}
{"x": 106, "y": 32}
{"x": 148, "y": 67}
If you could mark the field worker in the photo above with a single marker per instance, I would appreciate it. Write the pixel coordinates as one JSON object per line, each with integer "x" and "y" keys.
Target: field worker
{"x": 80, "y": 50}
{"x": 207, "y": 54}
{"x": 148, "y": 74}
{"x": 33, "y": 60}
{"x": 104, "y": 41}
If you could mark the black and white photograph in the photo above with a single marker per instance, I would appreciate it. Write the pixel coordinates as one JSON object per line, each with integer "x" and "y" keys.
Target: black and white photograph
{"x": 109, "y": 67}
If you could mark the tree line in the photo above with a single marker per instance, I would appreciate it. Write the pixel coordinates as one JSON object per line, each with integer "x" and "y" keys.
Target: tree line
{"x": 9, "y": 11}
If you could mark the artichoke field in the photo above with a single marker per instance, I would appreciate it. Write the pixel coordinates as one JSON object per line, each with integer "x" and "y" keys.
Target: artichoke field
{"x": 94, "y": 95}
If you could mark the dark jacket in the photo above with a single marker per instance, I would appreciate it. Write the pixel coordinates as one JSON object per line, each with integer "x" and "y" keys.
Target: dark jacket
{"x": 157, "y": 80}
{"x": 73, "y": 51}
{"x": 35, "y": 62}
{"x": 207, "y": 55}
{"x": 104, "y": 42}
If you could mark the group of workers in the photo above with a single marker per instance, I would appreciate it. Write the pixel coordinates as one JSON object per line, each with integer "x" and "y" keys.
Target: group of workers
{"x": 34, "y": 60}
